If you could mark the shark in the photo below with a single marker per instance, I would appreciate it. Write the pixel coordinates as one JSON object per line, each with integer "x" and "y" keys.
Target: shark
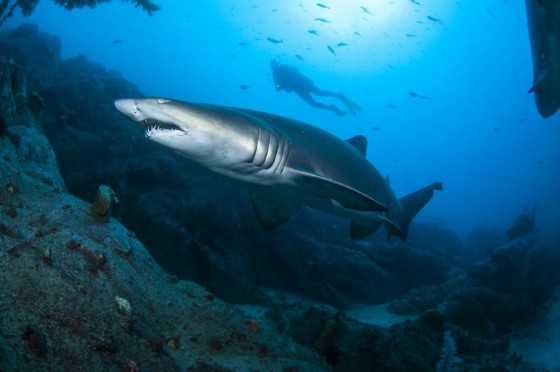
{"x": 283, "y": 163}
{"x": 543, "y": 19}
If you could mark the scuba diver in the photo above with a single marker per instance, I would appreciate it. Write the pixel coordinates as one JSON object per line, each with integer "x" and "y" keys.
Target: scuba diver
{"x": 289, "y": 78}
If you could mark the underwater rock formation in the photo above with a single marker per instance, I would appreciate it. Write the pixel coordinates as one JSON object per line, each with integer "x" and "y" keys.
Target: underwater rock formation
{"x": 36, "y": 52}
{"x": 508, "y": 288}
{"x": 196, "y": 228}
{"x": 85, "y": 294}
{"x": 79, "y": 294}
{"x": 523, "y": 225}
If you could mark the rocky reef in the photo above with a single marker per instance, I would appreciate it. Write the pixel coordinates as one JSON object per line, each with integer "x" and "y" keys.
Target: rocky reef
{"x": 79, "y": 293}
{"x": 196, "y": 228}
{"x": 146, "y": 291}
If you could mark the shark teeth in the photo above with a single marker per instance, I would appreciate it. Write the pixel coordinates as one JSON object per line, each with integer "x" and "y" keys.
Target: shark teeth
{"x": 152, "y": 131}
{"x": 155, "y": 130}
{"x": 154, "y": 127}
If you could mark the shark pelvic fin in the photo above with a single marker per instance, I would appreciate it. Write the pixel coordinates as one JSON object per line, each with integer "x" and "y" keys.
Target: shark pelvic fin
{"x": 344, "y": 195}
{"x": 538, "y": 82}
{"x": 359, "y": 230}
{"x": 273, "y": 212}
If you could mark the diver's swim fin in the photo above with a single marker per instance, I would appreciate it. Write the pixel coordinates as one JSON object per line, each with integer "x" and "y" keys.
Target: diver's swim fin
{"x": 353, "y": 107}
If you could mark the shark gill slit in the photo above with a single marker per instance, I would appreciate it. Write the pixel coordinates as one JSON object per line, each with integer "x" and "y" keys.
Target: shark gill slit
{"x": 271, "y": 151}
{"x": 282, "y": 155}
{"x": 263, "y": 140}
{"x": 250, "y": 161}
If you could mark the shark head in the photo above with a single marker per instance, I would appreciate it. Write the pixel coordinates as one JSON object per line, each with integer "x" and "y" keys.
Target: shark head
{"x": 222, "y": 140}
{"x": 157, "y": 116}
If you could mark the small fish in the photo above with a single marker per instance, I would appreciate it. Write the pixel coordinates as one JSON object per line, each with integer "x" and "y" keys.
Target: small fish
{"x": 392, "y": 106}
{"x": 490, "y": 12}
{"x": 274, "y": 41}
{"x": 243, "y": 43}
{"x": 117, "y": 41}
{"x": 299, "y": 57}
{"x": 522, "y": 120}
{"x": 341, "y": 44}
{"x": 322, "y": 6}
{"x": 314, "y": 32}
{"x": 411, "y": 35}
{"x": 416, "y": 95}
{"x": 415, "y": 2}
{"x": 233, "y": 56}
{"x": 497, "y": 130}
{"x": 357, "y": 33}
{"x": 331, "y": 49}
{"x": 243, "y": 86}
{"x": 376, "y": 129}
{"x": 322, "y": 20}
{"x": 365, "y": 10}
{"x": 434, "y": 19}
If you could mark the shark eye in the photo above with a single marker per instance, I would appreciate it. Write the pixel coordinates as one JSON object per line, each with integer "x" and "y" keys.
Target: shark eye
{"x": 161, "y": 100}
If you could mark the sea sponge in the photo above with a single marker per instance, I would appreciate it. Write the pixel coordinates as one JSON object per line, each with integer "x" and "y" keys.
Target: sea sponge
{"x": 123, "y": 306}
{"x": 105, "y": 205}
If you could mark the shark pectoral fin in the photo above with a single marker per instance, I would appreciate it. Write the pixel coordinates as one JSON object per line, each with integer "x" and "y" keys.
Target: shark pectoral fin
{"x": 273, "y": 212}
{"x": 359, "y": 230}
{"x": 346, "y": 196}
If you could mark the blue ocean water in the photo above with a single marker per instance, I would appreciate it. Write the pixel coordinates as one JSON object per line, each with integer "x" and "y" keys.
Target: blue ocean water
{"x": 478, "y": 130}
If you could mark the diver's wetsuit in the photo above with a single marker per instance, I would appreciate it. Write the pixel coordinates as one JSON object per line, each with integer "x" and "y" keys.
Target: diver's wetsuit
{"x": 289, "y": 78}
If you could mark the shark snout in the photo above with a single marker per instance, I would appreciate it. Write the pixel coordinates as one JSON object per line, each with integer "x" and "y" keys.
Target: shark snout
{"x": 127, "y": 107}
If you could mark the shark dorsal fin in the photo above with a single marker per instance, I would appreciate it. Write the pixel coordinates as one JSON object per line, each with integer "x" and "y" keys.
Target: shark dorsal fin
{"x": 359, "y": 142}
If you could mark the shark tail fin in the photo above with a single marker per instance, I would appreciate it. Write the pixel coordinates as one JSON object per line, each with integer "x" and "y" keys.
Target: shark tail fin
{"x": 411, "y": 204}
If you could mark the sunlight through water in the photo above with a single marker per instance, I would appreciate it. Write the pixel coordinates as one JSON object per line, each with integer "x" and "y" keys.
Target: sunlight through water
{"x": 346, "y": 36}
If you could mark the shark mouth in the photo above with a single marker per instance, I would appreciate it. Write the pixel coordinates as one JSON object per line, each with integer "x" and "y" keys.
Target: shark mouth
{"x": 154, "y": 127}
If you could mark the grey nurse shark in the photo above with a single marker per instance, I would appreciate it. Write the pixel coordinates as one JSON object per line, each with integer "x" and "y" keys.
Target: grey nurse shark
{"x": 283, "y": 163}
{"x": 543, "y": 18}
